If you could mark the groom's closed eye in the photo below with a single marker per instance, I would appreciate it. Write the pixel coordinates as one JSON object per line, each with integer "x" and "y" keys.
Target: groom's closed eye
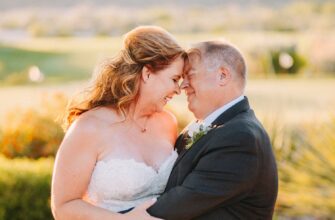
{"x": 190, "y": 75}
{"x": 187, "y": 74}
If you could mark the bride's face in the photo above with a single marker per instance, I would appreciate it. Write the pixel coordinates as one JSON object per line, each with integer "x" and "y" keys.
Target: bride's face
{"x": 159, "y": 87}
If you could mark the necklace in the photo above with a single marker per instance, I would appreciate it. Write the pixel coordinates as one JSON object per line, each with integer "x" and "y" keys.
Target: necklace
{"x": 143, "y": 128}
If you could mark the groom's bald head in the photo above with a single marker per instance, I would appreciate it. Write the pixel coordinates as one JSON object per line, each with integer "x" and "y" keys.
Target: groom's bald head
{"x": 214, "y": 75}
{"x": 216, "y": 54}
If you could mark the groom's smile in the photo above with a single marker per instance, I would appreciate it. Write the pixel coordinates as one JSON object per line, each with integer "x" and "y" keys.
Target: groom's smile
{"x": 190, "y": 97}
{"x": 198, "y": 86}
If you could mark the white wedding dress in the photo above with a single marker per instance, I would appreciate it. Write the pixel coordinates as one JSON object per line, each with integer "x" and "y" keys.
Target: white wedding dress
{"x": 120, "y": 184}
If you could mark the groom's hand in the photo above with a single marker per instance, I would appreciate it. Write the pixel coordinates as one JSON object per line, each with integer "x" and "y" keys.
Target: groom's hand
{"x": 140, "y": 212}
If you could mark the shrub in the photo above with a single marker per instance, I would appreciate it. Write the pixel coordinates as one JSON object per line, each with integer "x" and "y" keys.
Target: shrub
{"x": 30, "y": 134}
{"x": 17, "y": 78}
{"x": 287, "y": 60}
{"x": 306, "y": 164}
{"x": 25, "y": 189}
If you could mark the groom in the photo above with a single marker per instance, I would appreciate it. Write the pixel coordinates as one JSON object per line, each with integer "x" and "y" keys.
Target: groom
{"x": 225, "y": 170}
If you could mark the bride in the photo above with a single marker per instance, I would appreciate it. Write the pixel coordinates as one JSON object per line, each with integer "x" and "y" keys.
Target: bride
{"x": 118, "y": 149}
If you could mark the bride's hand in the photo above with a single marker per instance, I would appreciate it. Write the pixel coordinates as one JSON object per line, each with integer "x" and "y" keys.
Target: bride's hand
{"x": 140, "y": 212}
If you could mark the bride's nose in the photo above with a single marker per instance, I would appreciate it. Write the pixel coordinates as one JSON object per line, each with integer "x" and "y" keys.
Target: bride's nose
{"x": 177, "y": 90}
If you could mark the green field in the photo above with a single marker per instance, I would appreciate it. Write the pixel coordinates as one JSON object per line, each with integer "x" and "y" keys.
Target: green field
{"x": 71, "y": 59}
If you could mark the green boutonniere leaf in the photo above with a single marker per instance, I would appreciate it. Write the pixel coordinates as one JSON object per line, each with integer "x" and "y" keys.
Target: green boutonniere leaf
{"x": 197, "y": 135}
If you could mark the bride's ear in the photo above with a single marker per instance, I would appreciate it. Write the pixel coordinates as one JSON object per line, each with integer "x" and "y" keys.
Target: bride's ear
{"x": 146, "y": 72}
{"x": 223, "y": 76}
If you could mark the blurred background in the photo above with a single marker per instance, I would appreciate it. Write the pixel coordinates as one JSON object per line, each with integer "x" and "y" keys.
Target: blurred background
{"x": 48, "y": 51}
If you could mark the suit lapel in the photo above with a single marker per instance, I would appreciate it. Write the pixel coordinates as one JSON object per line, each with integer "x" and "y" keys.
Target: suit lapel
{"x": 236, "y": 109}
{"x": 185, "y": 151}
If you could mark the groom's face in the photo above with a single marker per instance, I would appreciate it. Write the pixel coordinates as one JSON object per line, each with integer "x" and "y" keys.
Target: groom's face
{"x": 198, "y": 85}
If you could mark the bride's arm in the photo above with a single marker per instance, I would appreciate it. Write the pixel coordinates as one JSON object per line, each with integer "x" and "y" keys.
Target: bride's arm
{"x": 73, "y": 168}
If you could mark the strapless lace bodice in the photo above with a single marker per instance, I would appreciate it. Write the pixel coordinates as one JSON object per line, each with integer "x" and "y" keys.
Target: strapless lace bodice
{"x": 119, "y": 184}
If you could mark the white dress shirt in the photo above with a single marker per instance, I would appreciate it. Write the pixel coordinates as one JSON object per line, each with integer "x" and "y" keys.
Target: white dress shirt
{"x": 214, "y": 115}
{"x": 194, "y": 126}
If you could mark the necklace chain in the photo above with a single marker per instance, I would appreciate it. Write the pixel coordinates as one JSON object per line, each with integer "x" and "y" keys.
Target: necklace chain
{"x": 143, "y": 128}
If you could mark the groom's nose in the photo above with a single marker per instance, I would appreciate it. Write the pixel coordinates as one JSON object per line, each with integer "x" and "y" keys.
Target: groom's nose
{"x": 184, "y": 84}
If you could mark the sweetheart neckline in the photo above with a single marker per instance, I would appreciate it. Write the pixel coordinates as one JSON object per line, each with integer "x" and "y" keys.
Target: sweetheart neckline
{"x": 157, "y": 171}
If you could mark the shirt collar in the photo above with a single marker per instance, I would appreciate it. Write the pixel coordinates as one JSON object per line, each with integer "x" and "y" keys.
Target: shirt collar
{"x": 211, "y": 117}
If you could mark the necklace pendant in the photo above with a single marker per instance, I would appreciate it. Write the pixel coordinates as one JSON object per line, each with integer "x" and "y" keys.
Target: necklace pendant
{"x": 143, "y": 130}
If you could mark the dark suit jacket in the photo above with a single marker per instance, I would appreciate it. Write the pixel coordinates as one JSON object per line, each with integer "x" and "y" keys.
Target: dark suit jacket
{"x": 230, "y": 173}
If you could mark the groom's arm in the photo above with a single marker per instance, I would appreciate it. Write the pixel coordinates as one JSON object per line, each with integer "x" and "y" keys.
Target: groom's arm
{"x": 223, "y": 175}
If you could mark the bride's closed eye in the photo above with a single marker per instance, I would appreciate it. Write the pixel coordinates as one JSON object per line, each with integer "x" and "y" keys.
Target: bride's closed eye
{"x": 175, "y": 80}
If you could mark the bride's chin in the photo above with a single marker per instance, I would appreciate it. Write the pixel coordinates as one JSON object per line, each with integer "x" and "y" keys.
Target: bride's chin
{"x": 160, "y": 107}
{"x": 155, "y": 108}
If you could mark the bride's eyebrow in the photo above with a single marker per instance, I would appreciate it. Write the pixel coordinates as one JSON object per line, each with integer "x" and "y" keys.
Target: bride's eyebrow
{"x": 178, "y": 75}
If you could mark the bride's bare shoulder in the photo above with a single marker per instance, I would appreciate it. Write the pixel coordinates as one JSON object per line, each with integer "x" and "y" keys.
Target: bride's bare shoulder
{"x": 167, "y": 117}
{"x": 166, "y": 121}
{"x": 88, "y": 129}
{"x": 94, "y": 121}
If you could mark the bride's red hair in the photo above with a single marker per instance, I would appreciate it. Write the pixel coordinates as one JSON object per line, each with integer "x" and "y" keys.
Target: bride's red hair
{"x": 118, "y": 79}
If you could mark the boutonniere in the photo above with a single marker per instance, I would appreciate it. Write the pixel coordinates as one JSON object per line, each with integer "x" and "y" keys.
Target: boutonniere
{"x": 196, "y": 134}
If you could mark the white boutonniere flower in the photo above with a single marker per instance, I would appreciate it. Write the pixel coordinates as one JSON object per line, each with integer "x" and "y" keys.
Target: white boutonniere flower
{"x": 195, "y": 132}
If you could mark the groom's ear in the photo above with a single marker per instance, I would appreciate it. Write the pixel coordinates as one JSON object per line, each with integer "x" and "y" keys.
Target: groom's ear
{"x": 146, "y": 72}
{"x": 223, "y": 76}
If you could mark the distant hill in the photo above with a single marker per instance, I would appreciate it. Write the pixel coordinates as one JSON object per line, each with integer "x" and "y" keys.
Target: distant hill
{"x": 11, "y": 4}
